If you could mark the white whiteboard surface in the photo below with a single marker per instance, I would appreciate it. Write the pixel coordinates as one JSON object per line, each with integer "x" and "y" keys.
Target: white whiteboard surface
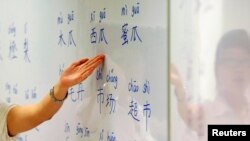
{"x": 40, "y": 38}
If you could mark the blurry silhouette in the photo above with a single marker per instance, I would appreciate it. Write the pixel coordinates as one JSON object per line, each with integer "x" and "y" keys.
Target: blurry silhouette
{"x": 232, "y": 74}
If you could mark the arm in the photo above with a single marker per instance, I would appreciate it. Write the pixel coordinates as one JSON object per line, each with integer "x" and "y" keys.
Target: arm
{"x": 192, "y": 115}
{"x": 23, "y": 118}
{"x": 179, "y": 92}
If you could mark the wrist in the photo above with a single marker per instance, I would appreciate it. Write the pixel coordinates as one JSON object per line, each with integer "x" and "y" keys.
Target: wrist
{"x": 60, "y": 91}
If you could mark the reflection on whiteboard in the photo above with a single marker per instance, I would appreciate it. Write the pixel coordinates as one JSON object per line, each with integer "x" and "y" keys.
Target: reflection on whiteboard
{"x": 217, "y": 90}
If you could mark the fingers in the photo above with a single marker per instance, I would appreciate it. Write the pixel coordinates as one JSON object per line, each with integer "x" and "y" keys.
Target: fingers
{"x": 95, "y": 59}
{"x": 88, "y": 67}
{"x": 79, "y": 62}
{"x": 94, "y": 62}
{"x": 86, "y": 74}
{"x": 91, "y": 67}
{"x": 196, "y": 118}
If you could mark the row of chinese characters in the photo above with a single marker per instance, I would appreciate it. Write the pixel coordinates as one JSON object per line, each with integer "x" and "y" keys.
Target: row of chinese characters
{"x": 13, "y": 48}
{"x": 60, "y": 22}
{"x": 128, "y": 33}
{"x": 108, "y": 100}
{"x": 12, "y": 90}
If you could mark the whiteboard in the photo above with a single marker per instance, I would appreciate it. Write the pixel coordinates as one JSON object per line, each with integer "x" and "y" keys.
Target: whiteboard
{"x": 124, "y": 99}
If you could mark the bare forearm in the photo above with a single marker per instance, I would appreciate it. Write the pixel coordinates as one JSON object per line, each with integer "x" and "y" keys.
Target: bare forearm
{"x": 24, "y": 118}
{"x": 47, "y": 107}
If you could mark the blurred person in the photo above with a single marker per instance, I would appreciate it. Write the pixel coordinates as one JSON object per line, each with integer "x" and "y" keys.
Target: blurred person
{"x": 231, "y": 104}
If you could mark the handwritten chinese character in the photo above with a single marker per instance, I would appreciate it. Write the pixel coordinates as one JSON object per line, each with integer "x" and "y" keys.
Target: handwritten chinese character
{"x": 102, "y": 36}
{"x": 147, "y": 113}
{"x": 76, "y": 96}
{"x": 71, "y": 92}
{"x": 133, "y": 110}
{"x": 26, "y": 49}
{"x": 100, "y": 98}
{"x": 111, "y": 103}
{"x": 125, "y": 34}
{"x": 80, "y": 91}
{"x": 12, "y": 50}
{"x": 71, "y": 39}
{"x": 61, "y": 40}
{"x": 135, "y": 35}
{"x": 93, "y": 36}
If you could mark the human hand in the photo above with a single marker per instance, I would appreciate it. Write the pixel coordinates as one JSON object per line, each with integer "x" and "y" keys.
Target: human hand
{"x": 193, "y": 114}
{"x": 79, "y": 71}
{"x": 195, "y": 118}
